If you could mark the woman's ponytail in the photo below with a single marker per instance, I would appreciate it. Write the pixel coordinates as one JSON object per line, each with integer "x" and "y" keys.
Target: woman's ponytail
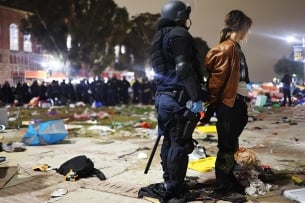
{"x": 224, "y": 34}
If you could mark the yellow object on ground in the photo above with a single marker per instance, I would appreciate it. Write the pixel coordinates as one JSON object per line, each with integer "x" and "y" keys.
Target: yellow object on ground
{"x": 43, "y": 167}
{"x": 297, "y": 180}
{"x": 207, "y": 128}
{"x": 203, "y": 165}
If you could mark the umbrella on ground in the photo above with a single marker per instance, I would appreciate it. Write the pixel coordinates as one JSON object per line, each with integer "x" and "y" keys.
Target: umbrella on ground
{"x": 44, "y": 133}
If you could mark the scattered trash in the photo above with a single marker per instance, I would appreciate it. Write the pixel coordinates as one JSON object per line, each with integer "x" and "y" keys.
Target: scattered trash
{"x": 270, "y": 187}
{"x": 257, "y": 187}
{"x": 295, "y": 140}
{"x": 44, "y": 104}
{"x": 44, "y": 133}
{"x": 42, "y": 167}
{"x": 4, "y": 117}
{"x": 198, "y": 153}
{"x": 13, "y": 147}
{"x": 296, "y": 195}
{"x": 142, "y": 155}
{"x": 2, "y": 127}
{"x": 82, "y": 116}
{"x": 59, "y": 192}
{"x": 51, "y": 112}
{"x": 143, "y": 125}
{"x": 285, "y": 119}
{"x": 96, "y": 104}
{"x": 203, "y": 165}
{"x": 251, "y": 119}
{"x": 71, "y": 126}
{"x": 206, "y": 129}
{"x": 244, "y": 174}
{"x": 71, "y": 176}
{"x": 102, "y": 129}
{"x": 297, "y": 180}
{"x": 72, "y": 106}
{"x": 276, "y": 105}
{"x": 33, "y": 102}
{"x": 260, "y": 100}
{"x": 2, "y": 159}
{"x": 80, "y": 104}
{"x": 245, "y": 157}
{"x": 137, "y": 150}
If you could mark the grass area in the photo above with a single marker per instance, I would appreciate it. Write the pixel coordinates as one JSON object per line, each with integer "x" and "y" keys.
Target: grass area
{"x": 126, "y": 115}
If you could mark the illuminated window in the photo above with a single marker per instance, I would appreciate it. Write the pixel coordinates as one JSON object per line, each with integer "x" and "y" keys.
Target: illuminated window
{"x": 27, "y": 44}
{"x": 13, "y": 37}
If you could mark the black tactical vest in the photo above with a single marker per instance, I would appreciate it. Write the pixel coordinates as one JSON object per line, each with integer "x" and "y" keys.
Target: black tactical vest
{"x": 161, "y": 58}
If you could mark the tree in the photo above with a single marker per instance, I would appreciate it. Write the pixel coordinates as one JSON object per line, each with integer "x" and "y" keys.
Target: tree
{"x": 95, "y": 27}
{"x": 138, "y": 40}
{"x": 286, "y": 64}
{"x": 138, "y": 43}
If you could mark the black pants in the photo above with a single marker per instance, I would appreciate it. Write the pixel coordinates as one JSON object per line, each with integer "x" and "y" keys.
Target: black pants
{"x": 287, "y": 96}
{"x": 230, "y": 124}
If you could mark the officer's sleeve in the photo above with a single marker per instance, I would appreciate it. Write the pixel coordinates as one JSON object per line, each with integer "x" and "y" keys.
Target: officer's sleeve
{"x": 183, "y": 53}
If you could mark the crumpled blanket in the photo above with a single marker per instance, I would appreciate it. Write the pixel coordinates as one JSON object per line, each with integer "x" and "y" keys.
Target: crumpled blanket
{"x": 158, "y": 191}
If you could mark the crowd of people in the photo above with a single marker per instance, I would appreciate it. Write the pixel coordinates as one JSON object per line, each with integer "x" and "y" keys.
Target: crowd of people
{"x": 107, "y": 93}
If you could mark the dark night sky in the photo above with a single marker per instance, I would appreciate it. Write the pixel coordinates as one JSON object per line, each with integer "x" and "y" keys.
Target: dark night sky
{"x": 274, "y": 20}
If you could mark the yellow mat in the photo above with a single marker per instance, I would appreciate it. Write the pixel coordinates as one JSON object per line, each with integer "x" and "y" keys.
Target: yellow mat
{"x": 203, "y": 165}
{"x": 207, "y": 128}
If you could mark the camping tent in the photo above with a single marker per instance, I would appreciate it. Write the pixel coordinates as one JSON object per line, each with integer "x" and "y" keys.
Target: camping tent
{"x": 44, "y": 133}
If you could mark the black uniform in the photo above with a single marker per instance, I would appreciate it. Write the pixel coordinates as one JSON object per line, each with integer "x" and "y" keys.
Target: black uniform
{"x": 177, "y": 82}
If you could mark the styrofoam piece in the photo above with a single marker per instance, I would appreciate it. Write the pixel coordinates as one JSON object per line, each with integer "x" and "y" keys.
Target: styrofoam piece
{"x": 296, "y": 195}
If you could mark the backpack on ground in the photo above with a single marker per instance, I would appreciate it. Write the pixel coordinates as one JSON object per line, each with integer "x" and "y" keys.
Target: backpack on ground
{"x": 79, "y": 167}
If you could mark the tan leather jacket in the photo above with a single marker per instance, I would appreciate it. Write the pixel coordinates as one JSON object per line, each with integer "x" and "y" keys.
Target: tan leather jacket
{"x": 223, "y": 64}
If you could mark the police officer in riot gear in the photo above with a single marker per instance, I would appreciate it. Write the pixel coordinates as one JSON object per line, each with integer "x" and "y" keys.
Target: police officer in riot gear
{"x": 178, "y": 99}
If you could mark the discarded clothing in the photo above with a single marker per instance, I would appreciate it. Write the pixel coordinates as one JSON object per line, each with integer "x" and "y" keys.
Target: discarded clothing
{"x": 159, "y": 192}
{"x": 13, "y": 147}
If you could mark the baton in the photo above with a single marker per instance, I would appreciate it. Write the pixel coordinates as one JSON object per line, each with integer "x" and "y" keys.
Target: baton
{"x": 152, "y": 154}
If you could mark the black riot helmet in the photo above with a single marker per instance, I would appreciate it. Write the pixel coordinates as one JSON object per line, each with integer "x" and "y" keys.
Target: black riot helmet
{"x": 176, "y": 11}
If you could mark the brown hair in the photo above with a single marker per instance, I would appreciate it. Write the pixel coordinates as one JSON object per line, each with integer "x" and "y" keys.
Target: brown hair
{"x": 235, "y": 20}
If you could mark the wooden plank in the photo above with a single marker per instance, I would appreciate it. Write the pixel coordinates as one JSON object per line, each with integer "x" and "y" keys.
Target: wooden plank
{"x": 6, "y": 174}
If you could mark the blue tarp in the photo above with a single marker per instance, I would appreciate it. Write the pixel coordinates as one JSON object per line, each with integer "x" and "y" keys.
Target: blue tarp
{"x": 44, "y": 133}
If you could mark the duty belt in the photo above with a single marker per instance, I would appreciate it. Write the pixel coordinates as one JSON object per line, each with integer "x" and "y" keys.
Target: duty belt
{"x": 179, "y": 95}
{"x": 169, "y": 93}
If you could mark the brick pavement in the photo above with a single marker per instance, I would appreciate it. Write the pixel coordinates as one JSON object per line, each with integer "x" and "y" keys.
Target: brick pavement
{"x": 42, "y": 184}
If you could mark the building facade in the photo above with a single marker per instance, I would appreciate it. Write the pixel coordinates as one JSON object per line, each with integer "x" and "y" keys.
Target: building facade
{"x": 21, "y": 57}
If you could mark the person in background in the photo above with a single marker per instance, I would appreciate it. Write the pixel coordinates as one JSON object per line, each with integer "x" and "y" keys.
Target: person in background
{"x": 124, "y": 91}
{"x": 286, "y": 80}
{"x": 227, "y": 81}
{"x": 136, "y": 91}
